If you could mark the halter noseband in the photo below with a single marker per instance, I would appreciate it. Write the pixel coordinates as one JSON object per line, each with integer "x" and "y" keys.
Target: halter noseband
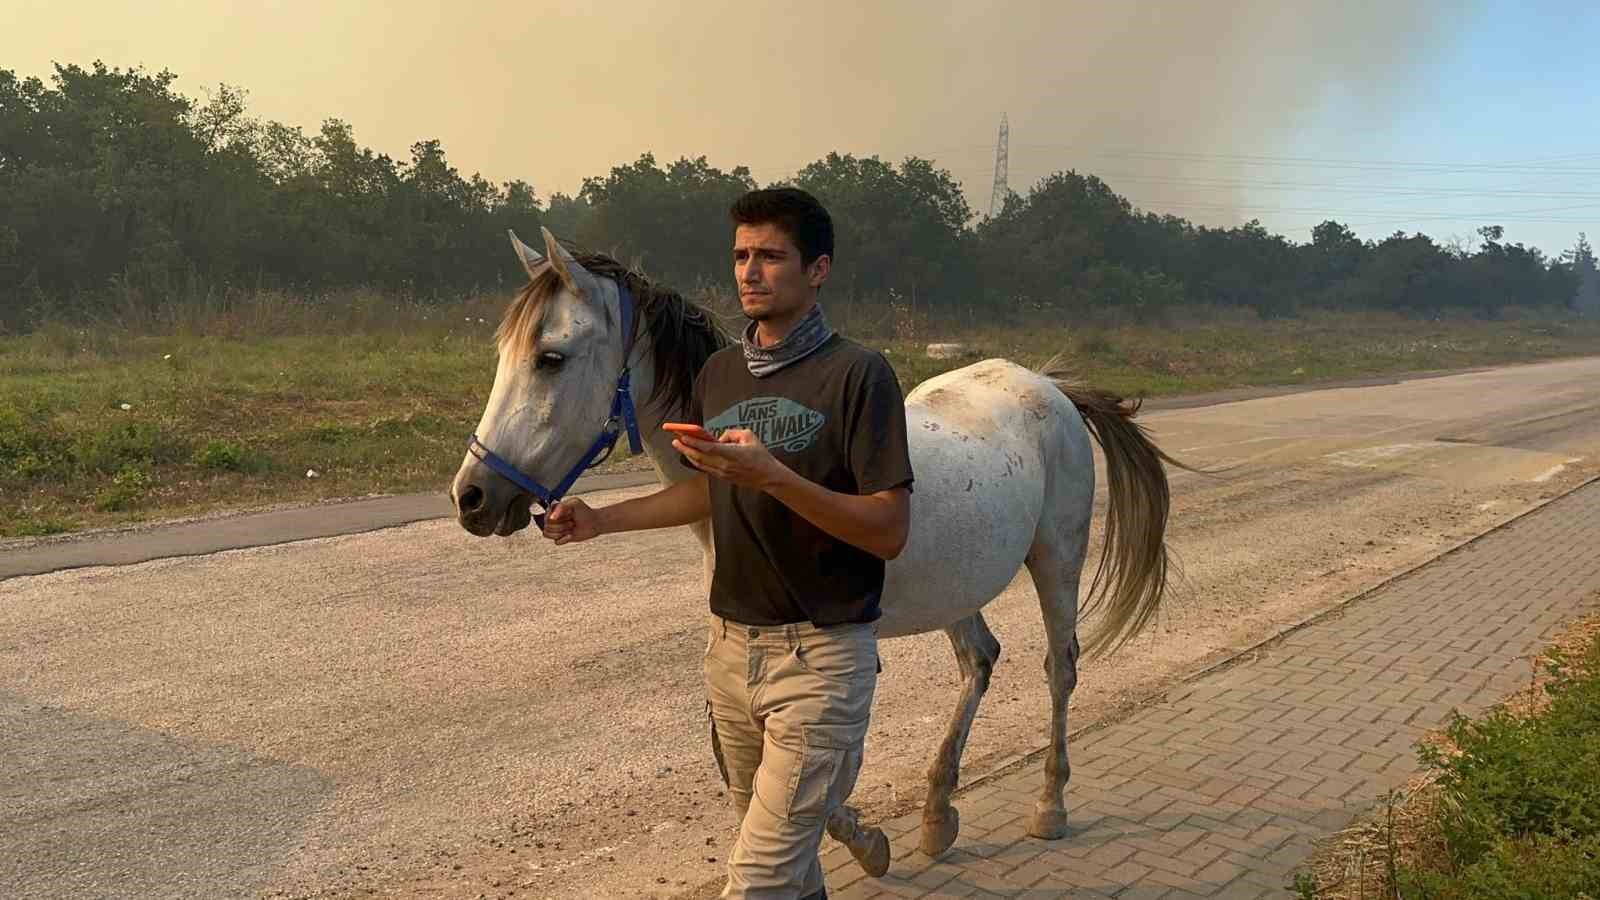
{"x": 623, "y": 416}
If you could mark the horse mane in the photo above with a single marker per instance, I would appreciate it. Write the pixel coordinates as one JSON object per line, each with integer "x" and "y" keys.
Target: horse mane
{"x": 682, "y": 333}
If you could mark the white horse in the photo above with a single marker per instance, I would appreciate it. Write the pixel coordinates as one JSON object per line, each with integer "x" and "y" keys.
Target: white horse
{"x": 1004, "y": 478}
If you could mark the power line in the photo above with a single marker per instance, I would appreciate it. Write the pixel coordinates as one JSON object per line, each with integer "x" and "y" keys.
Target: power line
{"x": 1265, "y": 160}
{"x": 1224, "y": 183}
{"x": 1255, "y": 159}
{"x": 1114, "y": 179}
{"x": 1394, "y": 215}
{"x": 1535, "y": 166}
{"x": 1360, "y": 168}
{"x": 1395, "y": 190}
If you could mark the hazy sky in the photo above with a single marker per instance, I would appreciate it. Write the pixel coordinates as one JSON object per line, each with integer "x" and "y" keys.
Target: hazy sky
{"x": 1426, "y": 116}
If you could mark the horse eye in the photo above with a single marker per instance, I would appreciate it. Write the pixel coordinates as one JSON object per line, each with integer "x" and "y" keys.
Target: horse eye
{"x": 551, "y": 360}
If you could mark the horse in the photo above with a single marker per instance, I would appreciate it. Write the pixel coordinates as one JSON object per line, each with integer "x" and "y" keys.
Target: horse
{"x": 1004, "y": 471}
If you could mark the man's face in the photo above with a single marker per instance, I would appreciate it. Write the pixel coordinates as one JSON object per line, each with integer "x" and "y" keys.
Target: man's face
{"x": 767, "y": 270}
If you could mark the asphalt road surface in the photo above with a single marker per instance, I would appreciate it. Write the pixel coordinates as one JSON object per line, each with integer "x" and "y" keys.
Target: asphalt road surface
{"x": 416, "y": 712}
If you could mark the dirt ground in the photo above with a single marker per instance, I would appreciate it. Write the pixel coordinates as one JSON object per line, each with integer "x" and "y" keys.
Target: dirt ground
{"x": 415, "y": 712}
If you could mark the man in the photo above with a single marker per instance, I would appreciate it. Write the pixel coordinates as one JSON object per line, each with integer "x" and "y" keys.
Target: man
{"x": 808, "y": 491}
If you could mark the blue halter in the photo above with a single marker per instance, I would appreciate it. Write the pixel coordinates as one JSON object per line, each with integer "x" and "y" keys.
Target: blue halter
{"x": 623, "y": 416}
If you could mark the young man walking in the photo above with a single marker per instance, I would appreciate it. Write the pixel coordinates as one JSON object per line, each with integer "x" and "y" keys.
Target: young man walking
{"x": 808, "y": 491}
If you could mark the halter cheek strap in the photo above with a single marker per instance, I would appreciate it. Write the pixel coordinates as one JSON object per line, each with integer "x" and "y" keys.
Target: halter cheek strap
{"x": 623, "y": 417}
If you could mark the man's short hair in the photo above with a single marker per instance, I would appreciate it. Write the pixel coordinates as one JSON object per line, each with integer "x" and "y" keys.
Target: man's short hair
{"x": 793, "y": 210}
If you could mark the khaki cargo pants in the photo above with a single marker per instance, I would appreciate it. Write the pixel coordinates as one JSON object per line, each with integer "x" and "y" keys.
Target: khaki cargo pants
{"x": 789, "y": 707}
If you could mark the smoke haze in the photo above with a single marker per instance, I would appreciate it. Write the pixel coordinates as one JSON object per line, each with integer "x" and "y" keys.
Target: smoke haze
{"x": 554, "y": 92}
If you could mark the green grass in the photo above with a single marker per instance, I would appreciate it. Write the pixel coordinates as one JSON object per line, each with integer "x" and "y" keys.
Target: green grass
{"x": 213, "y": 422}
{"x": 1211, "y": 353}
{"x": 1512, "y": 808}
{"x": 229, "y": 407}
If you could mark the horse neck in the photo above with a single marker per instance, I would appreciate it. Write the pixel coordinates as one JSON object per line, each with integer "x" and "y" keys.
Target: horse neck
{"x": 657, "y": 442}
{"x": 669, "y": 466}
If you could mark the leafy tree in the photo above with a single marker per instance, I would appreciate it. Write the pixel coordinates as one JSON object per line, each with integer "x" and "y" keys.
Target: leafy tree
{"x": 1075, "y": 244}
{"x": 899, "y": 231}
{"x": 674, "y": 220}
{"x": 1411, "y": 273}
{"x": 1334, "y": 256}
{"x": 115, "y": 186}
{"x": 1580, "y": 261}
{"x": 567, "y": 216}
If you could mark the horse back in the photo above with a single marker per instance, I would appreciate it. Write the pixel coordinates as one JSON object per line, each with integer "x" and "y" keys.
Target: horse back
{"x": 984, "y": 441}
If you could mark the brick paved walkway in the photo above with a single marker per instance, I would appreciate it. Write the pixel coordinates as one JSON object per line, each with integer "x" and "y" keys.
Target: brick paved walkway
{"x": 1220, "y": 790}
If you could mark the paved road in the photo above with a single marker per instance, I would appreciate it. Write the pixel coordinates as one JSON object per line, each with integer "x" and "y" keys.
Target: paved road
{"x": 414, "y": 711}
{"x": 256, "y": 529}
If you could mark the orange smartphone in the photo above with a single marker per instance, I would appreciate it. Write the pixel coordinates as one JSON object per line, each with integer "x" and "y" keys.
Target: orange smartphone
{"x": 689, "y": 430}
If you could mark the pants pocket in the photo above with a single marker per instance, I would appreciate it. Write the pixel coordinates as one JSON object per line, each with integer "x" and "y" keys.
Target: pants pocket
{"x": 716, "y": 746}
{"x": 830, "y": 761}
{"x": 842, "y": 661}
{"x": 711, "y": 640}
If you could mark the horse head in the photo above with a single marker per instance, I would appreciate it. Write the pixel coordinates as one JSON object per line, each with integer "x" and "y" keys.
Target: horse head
{"x": 562, "y": 349}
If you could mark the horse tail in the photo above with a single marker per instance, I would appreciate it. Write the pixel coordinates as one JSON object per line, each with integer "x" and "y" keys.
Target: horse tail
{"x": 1132, "y": 574}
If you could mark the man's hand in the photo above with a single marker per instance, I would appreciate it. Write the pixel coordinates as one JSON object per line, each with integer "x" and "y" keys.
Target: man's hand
{"x": 684, "y": 503}
{"x": 738, "y": 457}
{"x": 878, "y": 523}
{"x": 571, "y": 522}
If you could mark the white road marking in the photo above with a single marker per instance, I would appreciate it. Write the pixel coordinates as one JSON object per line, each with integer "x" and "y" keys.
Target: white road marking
{"x": 1362, "y": 457}
{"x": 1257, "y": 440}
{"x": 1549, "y": 473}
{"x": 1554, "y": 470}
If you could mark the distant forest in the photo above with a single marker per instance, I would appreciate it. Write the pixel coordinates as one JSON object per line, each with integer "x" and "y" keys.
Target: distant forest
{"x": 116, "y": 189}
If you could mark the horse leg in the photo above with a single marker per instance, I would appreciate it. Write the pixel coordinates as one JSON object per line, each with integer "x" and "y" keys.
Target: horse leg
{"x": 1055, "y": 566}
{"x": 867, "y": 843}
{"x": 976, "y": 652}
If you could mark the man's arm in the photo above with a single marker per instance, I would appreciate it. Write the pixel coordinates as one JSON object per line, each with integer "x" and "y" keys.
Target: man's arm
{"x": 877, "y": 523}
{"x": 683, "y": 503}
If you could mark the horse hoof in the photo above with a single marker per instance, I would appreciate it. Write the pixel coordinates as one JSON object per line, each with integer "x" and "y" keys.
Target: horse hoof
{"x": 1048, "y": 824}
{"x": 939, "y": 834}
{"x": 872, "y": 852}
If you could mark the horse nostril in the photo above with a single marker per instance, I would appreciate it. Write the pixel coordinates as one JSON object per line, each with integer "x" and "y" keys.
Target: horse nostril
{"x": 471, "y": 499}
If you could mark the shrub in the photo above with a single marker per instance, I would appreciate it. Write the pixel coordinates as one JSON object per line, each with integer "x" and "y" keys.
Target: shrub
{"x": 1510, "y": 808}
{"x": 1515, "y": 776}
{"x": 126, "y": 488}
{"x": 118, "y": 446}
{"x": 27, "y": 449}
{"x": 224, "y": 455}
{"x": 1536, "y": 868}
{"x": 28, "y": 525}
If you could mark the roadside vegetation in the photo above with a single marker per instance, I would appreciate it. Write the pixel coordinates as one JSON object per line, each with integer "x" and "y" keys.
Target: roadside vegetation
{"x": 1508, "y": 807}
{"x": 276, "y": 399}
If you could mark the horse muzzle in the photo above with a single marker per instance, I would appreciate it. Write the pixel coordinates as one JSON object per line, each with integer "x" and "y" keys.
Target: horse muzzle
{"x": 487, "y": 505}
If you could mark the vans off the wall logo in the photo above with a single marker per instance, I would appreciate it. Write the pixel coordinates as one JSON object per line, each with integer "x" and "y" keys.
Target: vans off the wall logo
{"x": 780, "y": 423}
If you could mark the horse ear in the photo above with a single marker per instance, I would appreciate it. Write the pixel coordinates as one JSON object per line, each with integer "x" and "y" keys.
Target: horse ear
{"x": 531, "y": 258}
{"x": 562, "y": 261}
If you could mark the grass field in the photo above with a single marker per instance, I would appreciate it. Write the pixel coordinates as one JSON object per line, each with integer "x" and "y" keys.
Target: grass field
{"x": 232, "y": 407}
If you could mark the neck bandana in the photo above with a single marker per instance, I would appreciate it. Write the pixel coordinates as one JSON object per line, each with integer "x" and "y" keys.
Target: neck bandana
{"x": 812, "y": 332}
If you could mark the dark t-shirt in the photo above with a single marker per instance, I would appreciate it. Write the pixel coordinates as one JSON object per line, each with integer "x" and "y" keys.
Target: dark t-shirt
{"x": 836, "y": 418}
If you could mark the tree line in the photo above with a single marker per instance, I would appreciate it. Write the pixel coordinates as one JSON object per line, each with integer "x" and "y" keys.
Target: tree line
{"x": 114, "y": 187}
